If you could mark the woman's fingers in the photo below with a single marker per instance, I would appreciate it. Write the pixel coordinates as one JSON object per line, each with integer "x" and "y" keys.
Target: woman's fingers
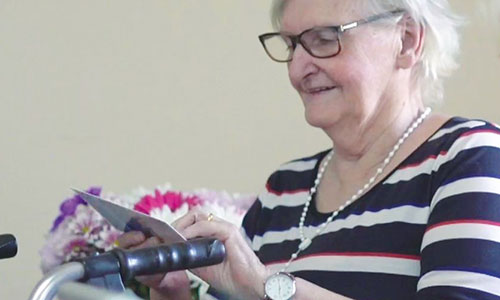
{"x": 193, "y": 216}
{"x": 241, "y": 273}
{"x": 130, "y": 239}
{"x": 150, "y": 242}
{"x": 135, "y": 240}
{"x": 213, "y": 228}
{"x": 175, "y": 285}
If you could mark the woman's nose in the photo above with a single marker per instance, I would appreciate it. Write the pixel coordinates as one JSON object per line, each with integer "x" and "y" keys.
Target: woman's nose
{"x": 302, "y": 62}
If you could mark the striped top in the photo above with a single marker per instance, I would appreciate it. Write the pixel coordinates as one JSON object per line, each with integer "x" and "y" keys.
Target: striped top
{"x": 429, "y": 230}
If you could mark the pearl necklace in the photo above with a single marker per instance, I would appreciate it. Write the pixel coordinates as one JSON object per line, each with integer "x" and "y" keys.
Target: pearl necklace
{"x": 305, "y": 242}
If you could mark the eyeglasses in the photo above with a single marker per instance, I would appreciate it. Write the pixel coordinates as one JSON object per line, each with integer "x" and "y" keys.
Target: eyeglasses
{"x": 319, "y": 42}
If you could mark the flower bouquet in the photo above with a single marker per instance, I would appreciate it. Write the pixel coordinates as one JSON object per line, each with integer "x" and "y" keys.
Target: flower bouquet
{"x": 79, "y": 231}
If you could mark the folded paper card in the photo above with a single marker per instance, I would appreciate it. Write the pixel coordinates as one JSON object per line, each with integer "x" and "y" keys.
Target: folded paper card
{"x": 125, "y": 219}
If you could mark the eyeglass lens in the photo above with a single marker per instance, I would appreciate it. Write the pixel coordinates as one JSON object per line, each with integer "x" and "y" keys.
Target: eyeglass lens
{"x": 319, "y": 42}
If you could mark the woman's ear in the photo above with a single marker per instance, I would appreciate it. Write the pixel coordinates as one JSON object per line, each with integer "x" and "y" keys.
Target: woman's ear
{"x": 412, "y": 39}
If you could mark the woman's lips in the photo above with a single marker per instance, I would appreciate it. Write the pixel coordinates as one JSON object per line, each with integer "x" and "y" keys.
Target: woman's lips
{"x": 319, "y": 90}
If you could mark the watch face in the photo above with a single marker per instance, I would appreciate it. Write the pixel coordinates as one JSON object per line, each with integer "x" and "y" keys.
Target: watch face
{"x": 280, "y": 286}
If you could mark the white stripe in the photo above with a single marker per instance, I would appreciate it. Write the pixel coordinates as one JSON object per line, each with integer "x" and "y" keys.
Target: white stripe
{"x": 270, "y": 200}
{"x": 467, "y": 185}
{"x": 480, "y": 139}
{"x": 462, "y": 231}
{"x": 407, "y": 174}
{"x": 299, "y": 165}
{"x": 405, "y": 214}
{"x": 344, "y": 263}
{"x": 462, "y": 279}
{"x": 470, "y": 124}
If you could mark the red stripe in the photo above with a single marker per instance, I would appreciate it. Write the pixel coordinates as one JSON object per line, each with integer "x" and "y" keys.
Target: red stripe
{"x": 351, "y": 254}
{"x": 442, "y": 153}
{"x": 472, "y": 221}
{"x": 279, "y": 193}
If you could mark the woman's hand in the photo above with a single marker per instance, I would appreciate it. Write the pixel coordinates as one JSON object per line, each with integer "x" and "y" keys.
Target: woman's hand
{"x": 241, "y": 274}
{"x": 173, "y": 285}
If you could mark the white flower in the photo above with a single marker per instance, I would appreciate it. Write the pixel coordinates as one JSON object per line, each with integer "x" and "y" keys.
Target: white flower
{"x": 165, "y": 214}
{"x": 86, "y": 222}
{"x": 107, "y": 238}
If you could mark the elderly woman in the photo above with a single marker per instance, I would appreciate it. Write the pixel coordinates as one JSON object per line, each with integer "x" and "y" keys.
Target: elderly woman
{"x": 406, "y": 205}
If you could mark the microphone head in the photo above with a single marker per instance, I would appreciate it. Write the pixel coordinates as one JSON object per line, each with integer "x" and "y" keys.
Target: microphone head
{"x": 8, "y": 246}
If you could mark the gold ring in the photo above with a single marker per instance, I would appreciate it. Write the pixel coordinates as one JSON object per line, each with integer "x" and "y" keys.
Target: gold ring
{"x": 210, "y": 217}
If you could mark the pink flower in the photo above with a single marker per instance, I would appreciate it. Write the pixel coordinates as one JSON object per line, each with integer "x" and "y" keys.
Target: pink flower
{"x": 174, "y": 200}
{"x": 77, "y": 248}
{"x": 148, "y": 203}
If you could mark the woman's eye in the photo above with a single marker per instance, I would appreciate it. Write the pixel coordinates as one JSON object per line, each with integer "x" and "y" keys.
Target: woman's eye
{"x": 319, "y": 41}
{"x": 323, "y": 37}
{"x": 324, "y": 40}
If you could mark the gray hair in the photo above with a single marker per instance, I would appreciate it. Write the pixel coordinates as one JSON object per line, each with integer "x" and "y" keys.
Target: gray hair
{"x": 441, "y": 45}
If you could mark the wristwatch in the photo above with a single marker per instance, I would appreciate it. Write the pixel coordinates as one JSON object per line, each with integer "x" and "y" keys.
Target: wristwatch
{"x": 280, "y": 286}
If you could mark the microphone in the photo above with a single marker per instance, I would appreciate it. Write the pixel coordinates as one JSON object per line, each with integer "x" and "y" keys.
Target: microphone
{"x": 8, "y": 246}
{"x": 158, "y": 259}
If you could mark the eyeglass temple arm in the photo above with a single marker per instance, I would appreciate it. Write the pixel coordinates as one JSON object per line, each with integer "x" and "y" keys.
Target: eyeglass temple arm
{"x": 374, "y": 18}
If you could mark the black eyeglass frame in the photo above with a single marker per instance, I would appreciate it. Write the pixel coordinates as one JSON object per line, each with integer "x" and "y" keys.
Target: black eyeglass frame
{"x": 339, "y": 29}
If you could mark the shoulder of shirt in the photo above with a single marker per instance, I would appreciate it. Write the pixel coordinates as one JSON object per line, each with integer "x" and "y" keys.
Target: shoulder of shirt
{"x": 297, "y": 169}
{"x": 302, "y": 164}
{"x": 458, "y": 127}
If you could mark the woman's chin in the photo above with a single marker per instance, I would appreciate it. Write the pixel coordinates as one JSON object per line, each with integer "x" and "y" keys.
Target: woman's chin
{"x": 323, "y": 111}
{"x": 319, "y": 120}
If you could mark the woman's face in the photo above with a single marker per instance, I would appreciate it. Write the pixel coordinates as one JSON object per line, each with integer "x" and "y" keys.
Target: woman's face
{"x": 351, "y": 87}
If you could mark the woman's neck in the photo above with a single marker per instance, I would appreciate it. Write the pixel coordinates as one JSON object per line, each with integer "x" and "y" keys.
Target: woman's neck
{"x": 361, "y": 148}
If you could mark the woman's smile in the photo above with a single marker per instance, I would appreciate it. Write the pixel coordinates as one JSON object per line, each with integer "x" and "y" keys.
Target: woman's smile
{"x": 324, "y": 94}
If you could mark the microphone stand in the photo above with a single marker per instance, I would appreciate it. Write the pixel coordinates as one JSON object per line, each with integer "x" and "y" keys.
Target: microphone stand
{"x": 111, "y": 269}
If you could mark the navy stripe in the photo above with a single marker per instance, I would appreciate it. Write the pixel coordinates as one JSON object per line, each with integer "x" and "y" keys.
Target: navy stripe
{"x": 479, "y": 256}
{"x": 453, "y": 293}
{"x": 272, "y": 220}
{"x": 288, "y": 181}
{"x": 360, "y": 239}
{"x": 468, "y": 206}
{"x": 486, "y": 166}
{"x": 253, "y": 213}
{"x": 361, "y": 286}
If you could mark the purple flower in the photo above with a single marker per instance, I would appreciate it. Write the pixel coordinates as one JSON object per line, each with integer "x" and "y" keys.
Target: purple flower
{"x": 69, "y": 206}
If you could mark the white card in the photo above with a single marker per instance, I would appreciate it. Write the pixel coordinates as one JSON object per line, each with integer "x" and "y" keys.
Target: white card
{"x": 125, "y": 219}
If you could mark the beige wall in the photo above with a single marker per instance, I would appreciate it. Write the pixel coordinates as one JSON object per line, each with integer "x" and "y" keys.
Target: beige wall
{"x": 122, "y": 93}
{"x": 474, "y": 91}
